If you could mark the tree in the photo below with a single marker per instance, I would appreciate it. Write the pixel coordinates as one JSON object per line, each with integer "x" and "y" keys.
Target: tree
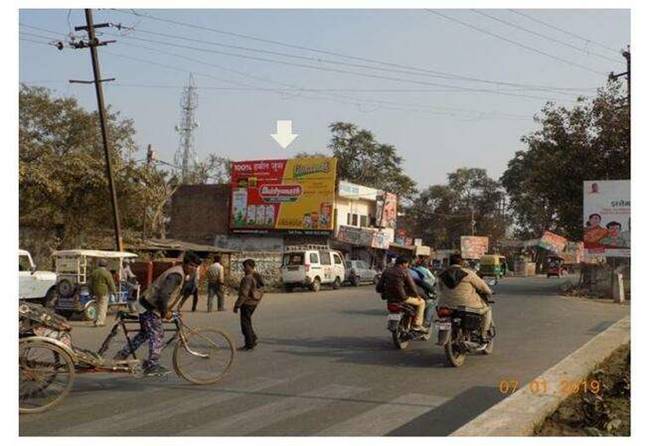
{"x": 363, "y": 160}
{"x": 590, "y": 141}
{"x": 63, "y": 187}
{"x": 215, "y": 169}
{"x": 469, "y": 202}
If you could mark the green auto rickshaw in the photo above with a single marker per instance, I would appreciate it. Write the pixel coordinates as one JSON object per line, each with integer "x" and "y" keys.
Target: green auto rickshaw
{"x": 493, "y": 265}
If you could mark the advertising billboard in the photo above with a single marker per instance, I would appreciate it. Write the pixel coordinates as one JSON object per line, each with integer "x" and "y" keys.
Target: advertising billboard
{"x": 473, "y": 247}
{"x": 552, "y": 242}
{"x": 606, "y": 218}
{"x": 295, "y": 195}
{"x": 387, "y": 210}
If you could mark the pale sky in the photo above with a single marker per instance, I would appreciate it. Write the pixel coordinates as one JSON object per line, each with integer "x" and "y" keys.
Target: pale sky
{"x": 416, "y": 98}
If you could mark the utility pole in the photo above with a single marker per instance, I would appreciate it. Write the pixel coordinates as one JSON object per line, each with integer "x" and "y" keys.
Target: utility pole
{"x": 92, "y": 43}
{"x": 613, "y": 76}
{"x": 150, "y": 157}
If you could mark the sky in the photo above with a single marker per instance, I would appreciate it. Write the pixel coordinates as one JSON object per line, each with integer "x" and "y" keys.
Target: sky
{"x": 448, "y": 88}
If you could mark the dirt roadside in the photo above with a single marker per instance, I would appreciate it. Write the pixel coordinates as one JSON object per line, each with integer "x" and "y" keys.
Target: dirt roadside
{"x": 600, "y": 406}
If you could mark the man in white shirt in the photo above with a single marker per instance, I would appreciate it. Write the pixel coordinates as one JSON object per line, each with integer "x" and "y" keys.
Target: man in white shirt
{"x": 215, "y": 278}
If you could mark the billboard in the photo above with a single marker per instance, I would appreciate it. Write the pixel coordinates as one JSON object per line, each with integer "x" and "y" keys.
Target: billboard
{"x": 473, "y": 247}
{"x": 295, "y": 195}
{"x": 606, "y": 218}
{"x": 552, "y": 242}
{"x": 387, "y": 210}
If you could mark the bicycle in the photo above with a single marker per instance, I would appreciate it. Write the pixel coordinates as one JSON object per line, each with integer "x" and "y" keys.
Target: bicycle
{"x": 48, "y": 363}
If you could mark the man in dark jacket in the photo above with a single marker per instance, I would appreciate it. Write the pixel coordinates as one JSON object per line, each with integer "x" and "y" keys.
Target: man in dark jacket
{"x": 396, "y": 285}
{"x": 157, "y": 303}
{"x": 249, "y": 295}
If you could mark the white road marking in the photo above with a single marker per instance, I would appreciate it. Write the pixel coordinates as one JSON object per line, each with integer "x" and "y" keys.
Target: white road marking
{"x": 131, "y": 419}
{"x": 254, "y": 419}
{"x": 386, "y": 417}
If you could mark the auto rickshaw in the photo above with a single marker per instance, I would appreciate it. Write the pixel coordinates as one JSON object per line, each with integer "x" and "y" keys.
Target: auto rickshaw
{"x": 555, "y": 266}
{"x": 73, "y": 269}
{"x": 493, "y": 265}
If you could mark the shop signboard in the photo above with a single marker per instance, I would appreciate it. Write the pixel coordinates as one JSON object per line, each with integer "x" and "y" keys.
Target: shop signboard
{"x": 367, "y": 237}
{"x": 295, "y": 195}
{"x": 473, "y": 247}
{"x": 606, "y": 218}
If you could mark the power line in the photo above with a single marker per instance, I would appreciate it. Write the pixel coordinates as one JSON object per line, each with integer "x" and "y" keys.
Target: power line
{"x": 328, "y": 52}
{"x": 410, "y": 70}
{"x": 337, "y": 70}
{"x": 513, "y": 42}
{"x": 355, "y": 101}
{"x": 551, "y": 39}
{"x": 569, "y": 33}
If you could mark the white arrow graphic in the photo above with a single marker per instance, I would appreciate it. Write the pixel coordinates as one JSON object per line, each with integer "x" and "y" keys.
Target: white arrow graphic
{"x": 284, "y": 135}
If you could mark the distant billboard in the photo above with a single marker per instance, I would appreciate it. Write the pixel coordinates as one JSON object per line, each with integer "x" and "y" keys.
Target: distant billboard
{"x": 552, "y": 242}
{"x": 473, "y": 247}
{"x": 606, "y": 218}
{"x": 295, "y": 195}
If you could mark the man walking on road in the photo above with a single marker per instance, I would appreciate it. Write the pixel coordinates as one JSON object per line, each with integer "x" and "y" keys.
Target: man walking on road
{"x": 191, "y": 288}
{"x": 215, "y": 279}
{"x": 249, "y": 295}
{"x": 101, "y": 283}
{"x": 156, "y": 304}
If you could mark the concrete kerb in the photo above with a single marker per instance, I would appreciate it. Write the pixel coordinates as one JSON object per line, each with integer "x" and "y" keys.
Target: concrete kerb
{"x": 522, "y": 412}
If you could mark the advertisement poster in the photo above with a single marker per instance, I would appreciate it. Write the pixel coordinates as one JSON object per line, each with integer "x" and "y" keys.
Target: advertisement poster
{"x": 387, "y": 210}
{"x": 606, "y": 218}
{"x": 552, "y": 242}
{"x": 292, "y": 195}
{"x": 373, "y": 238}
{"x": 473, "y": 247}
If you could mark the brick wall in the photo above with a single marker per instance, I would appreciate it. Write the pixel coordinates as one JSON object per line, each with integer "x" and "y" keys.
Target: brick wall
{"x": 199, "y": 212}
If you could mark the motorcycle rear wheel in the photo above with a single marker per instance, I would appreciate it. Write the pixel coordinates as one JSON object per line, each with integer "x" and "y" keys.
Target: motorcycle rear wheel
{"x": 453, "y": 354}
{"x": 399, "y": 342}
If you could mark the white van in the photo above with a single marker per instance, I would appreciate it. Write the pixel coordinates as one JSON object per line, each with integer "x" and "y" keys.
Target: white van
{"x": 311, "y": 268}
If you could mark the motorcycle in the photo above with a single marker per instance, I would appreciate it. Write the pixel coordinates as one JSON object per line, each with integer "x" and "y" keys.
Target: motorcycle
{"x": 400, "y": 322}
{"x": 459, "y": 333}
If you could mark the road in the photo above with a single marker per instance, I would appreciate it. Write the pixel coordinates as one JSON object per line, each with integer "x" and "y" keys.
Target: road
{"x": 325, "y": 365}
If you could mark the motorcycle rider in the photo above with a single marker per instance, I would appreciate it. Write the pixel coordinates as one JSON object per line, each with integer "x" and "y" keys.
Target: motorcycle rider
{"x": 460, "y": 286}
{"x": 396, "y": 285}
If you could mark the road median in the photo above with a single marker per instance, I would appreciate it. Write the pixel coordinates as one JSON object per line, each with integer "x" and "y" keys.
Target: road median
{"x": 522, "y": 412}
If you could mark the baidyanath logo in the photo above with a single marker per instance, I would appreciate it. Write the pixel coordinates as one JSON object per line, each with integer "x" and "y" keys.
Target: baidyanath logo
{"x": 301, "y": 170}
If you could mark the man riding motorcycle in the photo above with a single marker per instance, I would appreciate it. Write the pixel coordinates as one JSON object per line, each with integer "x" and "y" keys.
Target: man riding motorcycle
{"x": 396, "y": 285}
{"x": 460, "y": 286}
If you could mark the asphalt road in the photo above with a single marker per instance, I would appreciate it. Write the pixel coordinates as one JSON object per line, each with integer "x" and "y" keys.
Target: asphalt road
{"x": 326, "y": 365}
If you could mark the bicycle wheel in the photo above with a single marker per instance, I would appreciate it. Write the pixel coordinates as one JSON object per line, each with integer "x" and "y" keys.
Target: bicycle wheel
{"x": 46, "y": 375}
{"x": 205, "y": 358}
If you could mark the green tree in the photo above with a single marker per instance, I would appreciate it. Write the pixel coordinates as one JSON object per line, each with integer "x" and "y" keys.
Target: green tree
{"x": 589, "y": 141}
{"x": 62, "y": 181}
{"x": 471, "y": 201}
{"x": 364, "y": 160}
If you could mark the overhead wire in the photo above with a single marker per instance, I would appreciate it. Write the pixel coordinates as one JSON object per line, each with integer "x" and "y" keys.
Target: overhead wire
{"x": 543, "y": 36}
{"x": 513, "y": 42}
{"x": 341, "y": 71}
{"x": 569, "y": 33}
{"x": 330, "y": 53}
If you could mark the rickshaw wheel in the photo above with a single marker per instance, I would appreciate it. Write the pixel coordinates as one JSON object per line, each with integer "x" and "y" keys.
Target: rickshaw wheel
{"x": 206, "y": 357}
{"x": 46, "y": 375}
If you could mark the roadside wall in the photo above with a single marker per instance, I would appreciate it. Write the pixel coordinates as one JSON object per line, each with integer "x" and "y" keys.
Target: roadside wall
{"x": 267, "y": 264}
{"x": 199, "y": 212}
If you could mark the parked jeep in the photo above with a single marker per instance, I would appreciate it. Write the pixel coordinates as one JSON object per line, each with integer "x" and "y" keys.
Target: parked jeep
{"x": 37, "y": 286}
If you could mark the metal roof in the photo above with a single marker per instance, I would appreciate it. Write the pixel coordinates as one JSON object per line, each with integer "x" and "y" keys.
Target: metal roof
{"x": 93, "y": 253}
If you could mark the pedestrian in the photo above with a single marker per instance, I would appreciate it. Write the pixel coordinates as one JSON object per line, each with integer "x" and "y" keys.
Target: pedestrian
{"x": 101, "y": 283}
{"x": 156, "y": 305}
{"x": 249, "y": 296}
{"x": 191, "y": 288}
{"x": 215, "y": 279}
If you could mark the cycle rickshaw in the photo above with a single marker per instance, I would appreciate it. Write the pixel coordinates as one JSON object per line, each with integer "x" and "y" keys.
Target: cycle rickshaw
{"x": 49, "y": 362}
